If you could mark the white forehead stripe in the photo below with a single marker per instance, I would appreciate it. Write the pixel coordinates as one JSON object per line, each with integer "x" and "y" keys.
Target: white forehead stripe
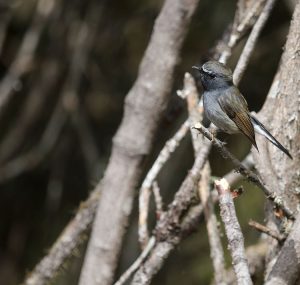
{"x": 206, "y": 70}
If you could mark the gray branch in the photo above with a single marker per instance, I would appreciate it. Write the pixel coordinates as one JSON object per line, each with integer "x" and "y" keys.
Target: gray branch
{"x": 144, "y": 106}
{"x": 233, "y": 233}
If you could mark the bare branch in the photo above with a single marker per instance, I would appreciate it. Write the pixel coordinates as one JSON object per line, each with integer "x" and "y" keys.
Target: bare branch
{"x": 233, "y": 232}
{"x": 66, "y": 244}
{"x": 25, "y": 56}
{"x": 286, "y": 268}
{"x": 144, "y": 106}
{"x": 268, "y": 231}
{"x": 216, "y": 248}
{"x": 250, "y": 175}
{"x": 35, "y": 156}
{"x": 127, "y": 274}
{"x": 234, "y": 176}
{"x": 166, "y": 230}
{"x": 151, "y": 176}
{"x": 251, "y": 41}
{"x": 241, "y": 28}
{"x": 157, "y": 199}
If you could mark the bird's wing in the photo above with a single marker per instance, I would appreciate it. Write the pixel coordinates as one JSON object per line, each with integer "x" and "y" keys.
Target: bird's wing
{"x": 235, "y": 106}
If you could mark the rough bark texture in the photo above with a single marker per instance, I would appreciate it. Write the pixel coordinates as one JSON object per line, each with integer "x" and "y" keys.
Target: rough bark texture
{"x": 281, "y": 114}
{"x": 144, "y": 106}
{"x": 287, "y": 266}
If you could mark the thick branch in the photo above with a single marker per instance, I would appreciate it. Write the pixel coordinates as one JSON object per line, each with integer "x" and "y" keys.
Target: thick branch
{"x": 287, "y": 267}
{"x": 144, "y": 106}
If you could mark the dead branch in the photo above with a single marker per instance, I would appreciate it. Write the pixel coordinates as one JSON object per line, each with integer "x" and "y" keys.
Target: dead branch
{"x": 233, "y": 233}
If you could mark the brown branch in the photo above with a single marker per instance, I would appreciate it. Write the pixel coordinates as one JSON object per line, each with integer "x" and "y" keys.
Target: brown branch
{"x": 144, "y": 106}
{"x": 233, "y": 233}
{"x": 266, "y": 230}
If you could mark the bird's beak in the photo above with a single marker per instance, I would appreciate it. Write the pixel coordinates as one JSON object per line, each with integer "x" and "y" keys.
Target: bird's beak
{"x": 196, "y": 67}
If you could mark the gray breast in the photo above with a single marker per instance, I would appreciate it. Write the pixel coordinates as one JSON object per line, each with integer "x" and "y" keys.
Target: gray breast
{"x": 215, "y": 114}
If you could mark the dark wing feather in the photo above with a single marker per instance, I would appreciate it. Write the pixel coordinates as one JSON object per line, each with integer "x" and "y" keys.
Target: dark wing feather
{"x": 235, "y": 106}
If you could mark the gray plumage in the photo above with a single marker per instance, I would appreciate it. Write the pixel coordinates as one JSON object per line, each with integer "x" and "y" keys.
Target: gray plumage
{"x": 226, "y": 107}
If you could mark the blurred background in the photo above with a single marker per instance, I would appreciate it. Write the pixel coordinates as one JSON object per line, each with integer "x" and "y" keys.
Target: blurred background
{"x": 65, "y": 68}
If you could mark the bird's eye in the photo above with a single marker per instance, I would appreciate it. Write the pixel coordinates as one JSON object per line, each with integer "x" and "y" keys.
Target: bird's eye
{"x": 212, "y": 76}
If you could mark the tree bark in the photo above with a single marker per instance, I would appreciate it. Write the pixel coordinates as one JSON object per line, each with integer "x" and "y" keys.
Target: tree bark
{"x": 282, "y": 116}
{"x": 144, "y": 106}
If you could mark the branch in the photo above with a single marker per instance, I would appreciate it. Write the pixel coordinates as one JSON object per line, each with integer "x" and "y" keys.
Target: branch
{"x": 266, "y": 230}
{"x": 251, "y": 41}
{"x": 66, "y": 244}
{"x": 234, "y": 176}
{"x": 144, "y": 106}
{"x": 240, "y": 28}
{"x": 127, "y": 274}
{"x": 216, "y": 248}
{"x": 145, "y": 190}
{"x": 25, "y": 55}
{"x": 233, "y": 232}
{"x": 286, "y": 268}
{"x": 35, "y": 156}
{"x": 167, "y": 229}
{"x": 250, "y": 175}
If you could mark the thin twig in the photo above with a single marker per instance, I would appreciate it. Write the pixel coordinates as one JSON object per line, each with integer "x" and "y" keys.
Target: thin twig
{"x": 134, "y": 267}
{"x": 233, "y": 232}
{"x": 151, "y": 176}
{"x": 233, "y": 176}
{"x": 158, "y": 199}
{"x": 25, "y": 56}
{"x": 237, "y": 33}
{"x": 251, "y": 42}
{"x": 250, "y": 175}
{"x": 266, "y": 230}
{"x": 35, "y": 156}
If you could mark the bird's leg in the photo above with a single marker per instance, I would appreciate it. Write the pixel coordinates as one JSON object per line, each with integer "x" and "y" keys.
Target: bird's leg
{"x": 214, "y": 132}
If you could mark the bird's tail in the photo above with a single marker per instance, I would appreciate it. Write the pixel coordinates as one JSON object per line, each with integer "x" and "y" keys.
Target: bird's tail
{"x": 260, "y": 129}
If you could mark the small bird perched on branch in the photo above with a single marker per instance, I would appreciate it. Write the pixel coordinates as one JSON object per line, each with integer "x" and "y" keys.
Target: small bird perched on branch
{"x": 226, "y": 107}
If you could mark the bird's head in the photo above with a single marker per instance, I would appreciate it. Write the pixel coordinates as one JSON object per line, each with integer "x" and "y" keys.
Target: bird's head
{"x": 214, "y": 75}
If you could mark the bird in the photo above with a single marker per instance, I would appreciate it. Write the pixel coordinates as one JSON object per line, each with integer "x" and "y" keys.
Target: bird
{"x": 226, "y": 107}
